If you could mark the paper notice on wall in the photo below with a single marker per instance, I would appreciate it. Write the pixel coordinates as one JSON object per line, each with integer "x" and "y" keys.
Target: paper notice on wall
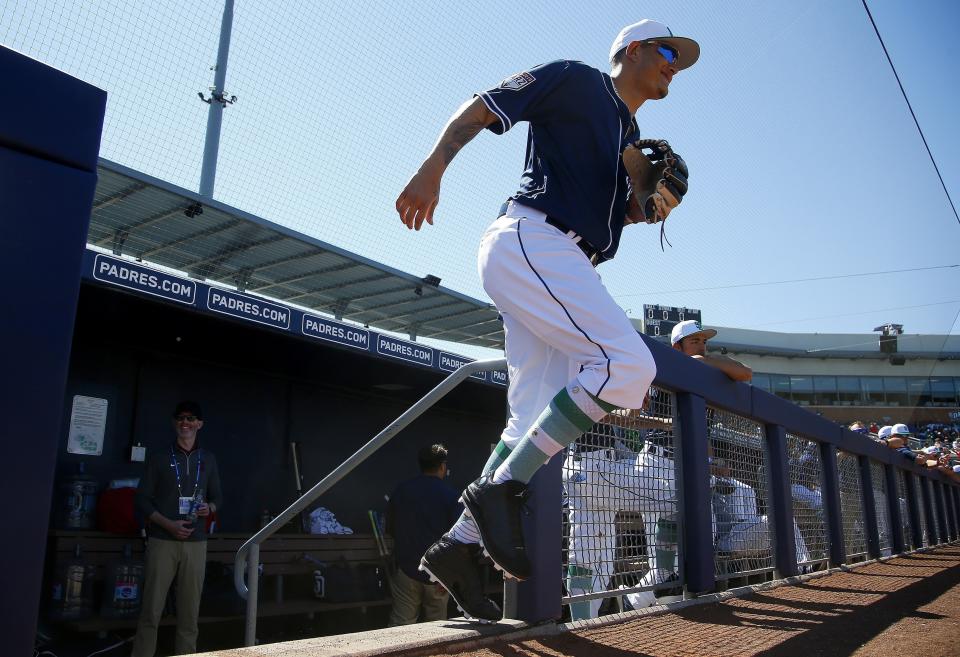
{"x": 88, "y": 420}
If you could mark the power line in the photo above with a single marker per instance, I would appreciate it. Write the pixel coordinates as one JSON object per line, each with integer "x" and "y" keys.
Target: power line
{"x": 794, "y": 280}
{"x": 910, "y": 107}
{"x": 862, "y": 312}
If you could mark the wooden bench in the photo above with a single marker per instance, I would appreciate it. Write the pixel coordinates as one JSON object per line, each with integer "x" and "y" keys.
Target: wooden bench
{"x": 282, "y": 557}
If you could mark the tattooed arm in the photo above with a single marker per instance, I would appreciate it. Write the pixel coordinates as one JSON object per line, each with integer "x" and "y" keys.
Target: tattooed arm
{"x": 419, "y": 198}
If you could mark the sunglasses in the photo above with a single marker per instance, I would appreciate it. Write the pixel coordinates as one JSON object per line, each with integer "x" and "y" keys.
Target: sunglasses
{"x": 185, "y": 418}
{"x": 669, "y": 53}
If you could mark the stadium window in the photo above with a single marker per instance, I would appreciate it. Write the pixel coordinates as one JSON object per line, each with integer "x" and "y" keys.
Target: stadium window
{"x": 761, "y": 381}
{"x": 848, "y": 391}
{"x": 801, "y": 389}
{"x": 825, "y": 391}
{"x": 895, "y": 388}
{"x": 780, "y": 385}
{"x": 918, "y": 391}
{"x": 942, "y": 392}
{"x": 871, "y": 388}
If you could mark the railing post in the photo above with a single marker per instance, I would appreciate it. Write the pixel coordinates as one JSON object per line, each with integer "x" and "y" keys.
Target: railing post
{"x": 956, "y": 507}
{"x": 869, "y": 502}
{"x": 945, "y": 528}
{"x": 781, "y": 501}
{"x": 253, "y": 590}
{"x": 932, "y": 535}
{"x": 893, "y": 509}
{"x": 697, "y": 547}
{"x": 538, "y": 598}
{"x": 948, "y": 510}
{"x": 831, "y": 502}
{"x": 914, "y": 508}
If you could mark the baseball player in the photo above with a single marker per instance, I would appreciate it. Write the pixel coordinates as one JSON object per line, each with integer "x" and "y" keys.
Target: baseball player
{"x": 572, "y": 354}
{"x": 601, "y": 480}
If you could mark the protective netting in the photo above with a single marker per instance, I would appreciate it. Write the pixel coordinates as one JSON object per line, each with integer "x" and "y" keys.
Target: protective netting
{"x": 621, "y": 516}
{"x": 851, "y": 505}
{"x": 905, "y": 523}
{"x": 742, "y": 529}
{"x": 878, "y": 477}
{"x": 806, "y": 477}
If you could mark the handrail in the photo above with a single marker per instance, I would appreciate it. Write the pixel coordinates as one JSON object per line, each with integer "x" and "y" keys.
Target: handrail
{"x": 250, "y": 551}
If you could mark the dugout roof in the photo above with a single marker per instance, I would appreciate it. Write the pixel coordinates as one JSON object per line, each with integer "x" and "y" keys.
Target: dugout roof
{"x": 140, "y": 216}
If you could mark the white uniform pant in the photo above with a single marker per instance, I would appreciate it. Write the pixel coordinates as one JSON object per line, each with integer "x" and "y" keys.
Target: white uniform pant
{"x": 599, "y": 485}
{"x": 559, "y": 320}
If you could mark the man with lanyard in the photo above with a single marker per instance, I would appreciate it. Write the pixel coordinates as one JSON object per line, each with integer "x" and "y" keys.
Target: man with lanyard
{"x": 180, "y": 487}
{"x": 573, "y": 355}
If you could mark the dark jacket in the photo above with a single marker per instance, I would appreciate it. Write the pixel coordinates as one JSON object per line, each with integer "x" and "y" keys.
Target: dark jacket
{"x": 421, "y": 510}
{"x": 158, "y": 489}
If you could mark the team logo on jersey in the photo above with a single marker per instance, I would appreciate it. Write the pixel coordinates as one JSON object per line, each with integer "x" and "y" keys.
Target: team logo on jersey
{"x": 518, "y": 81}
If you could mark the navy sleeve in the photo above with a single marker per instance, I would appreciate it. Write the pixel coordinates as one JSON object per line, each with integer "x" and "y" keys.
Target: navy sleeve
{"x": 214, "y": 492}
{"x": 521, "y": 96}
{"x": 145, "y": 498}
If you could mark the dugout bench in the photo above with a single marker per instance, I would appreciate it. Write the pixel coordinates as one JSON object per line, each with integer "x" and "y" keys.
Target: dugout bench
{"x": 288, "y": 562}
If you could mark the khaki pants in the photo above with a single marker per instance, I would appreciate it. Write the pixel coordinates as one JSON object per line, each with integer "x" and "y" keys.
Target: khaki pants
{"x": 409, "y": 595}
{"x": 187, "y": 560}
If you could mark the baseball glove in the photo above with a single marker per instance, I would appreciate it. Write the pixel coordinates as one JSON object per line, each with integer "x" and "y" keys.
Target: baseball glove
{"x": 658, "y": 179}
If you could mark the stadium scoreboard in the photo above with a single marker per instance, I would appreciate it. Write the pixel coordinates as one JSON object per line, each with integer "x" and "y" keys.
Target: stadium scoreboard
{"x": 660, "y": 320}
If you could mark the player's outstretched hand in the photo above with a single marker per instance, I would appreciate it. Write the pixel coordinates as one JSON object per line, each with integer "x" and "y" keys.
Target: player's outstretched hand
{"x": 419, "y": 198}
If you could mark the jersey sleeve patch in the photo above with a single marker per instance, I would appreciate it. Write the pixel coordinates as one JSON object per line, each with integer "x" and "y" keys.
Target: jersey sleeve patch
{"x": 518, "y": 81}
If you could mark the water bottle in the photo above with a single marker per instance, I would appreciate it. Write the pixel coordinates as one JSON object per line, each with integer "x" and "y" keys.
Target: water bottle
{"x": 195, "y": 504}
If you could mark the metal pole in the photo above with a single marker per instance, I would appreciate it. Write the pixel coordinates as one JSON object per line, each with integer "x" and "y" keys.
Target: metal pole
{"x": 253, "y": 588}
{"x": 781, "y": 501}
{"x": 249, "y": 552}
{"x": 831, "y": 502}
{"x": 697, "y": 546}
{"x": 211, "y": 147}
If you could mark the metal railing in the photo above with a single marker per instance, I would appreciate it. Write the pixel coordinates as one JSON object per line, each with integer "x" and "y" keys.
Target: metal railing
{"x": 249, "y": 552}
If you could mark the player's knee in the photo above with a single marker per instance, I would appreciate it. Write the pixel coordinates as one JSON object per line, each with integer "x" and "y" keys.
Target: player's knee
{"x": 635, "y": 372}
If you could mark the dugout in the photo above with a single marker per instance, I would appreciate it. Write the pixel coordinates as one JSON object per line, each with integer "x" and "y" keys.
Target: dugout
{"x": 282, "y": 338}
{"x": 261, "y": 391}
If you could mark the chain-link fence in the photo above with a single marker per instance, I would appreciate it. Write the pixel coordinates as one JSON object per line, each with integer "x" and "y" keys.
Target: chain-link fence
{"x": 621, "y": 517}
{"x": 851, "y": 506}
{"x": 742, "y": 534}
{"x": 806, "y": 484}
{"x": 878, "y": 477}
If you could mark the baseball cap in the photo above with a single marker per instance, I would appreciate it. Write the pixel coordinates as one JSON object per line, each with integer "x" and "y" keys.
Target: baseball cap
{"x": 647, "y": 30}
{"x": 900, "y": 430}
{"x": 885, "y": 431}
{"x": 687, "y": 328}
{"x": 190, "y": 408}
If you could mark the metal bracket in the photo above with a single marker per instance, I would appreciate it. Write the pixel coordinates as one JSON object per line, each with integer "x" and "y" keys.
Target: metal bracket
{"x": 120, "y": 236}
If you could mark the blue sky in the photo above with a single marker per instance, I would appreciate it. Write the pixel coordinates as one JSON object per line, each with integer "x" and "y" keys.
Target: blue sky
{"x": 804, "y": 160}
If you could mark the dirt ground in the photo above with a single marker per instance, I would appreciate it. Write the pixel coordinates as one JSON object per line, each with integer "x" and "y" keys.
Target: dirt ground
{"x": 906, "y": 607}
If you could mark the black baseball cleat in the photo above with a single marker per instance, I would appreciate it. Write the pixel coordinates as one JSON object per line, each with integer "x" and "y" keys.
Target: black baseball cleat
{"x": 497, "y": 509}
{"x": 456, "y": 568}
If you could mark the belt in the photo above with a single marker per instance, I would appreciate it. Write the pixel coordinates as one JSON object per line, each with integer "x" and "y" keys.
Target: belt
{"x": 593, "y": 254}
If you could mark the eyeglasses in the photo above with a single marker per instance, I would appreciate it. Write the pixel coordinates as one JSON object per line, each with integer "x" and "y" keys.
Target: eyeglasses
{"x": 185, "y": 418}
{"x": 669, "y": 53}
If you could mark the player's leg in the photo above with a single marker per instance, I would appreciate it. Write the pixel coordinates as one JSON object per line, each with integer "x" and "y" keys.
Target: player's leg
{"x": 536, "y": 370}
{"x": 539, "y": 276}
